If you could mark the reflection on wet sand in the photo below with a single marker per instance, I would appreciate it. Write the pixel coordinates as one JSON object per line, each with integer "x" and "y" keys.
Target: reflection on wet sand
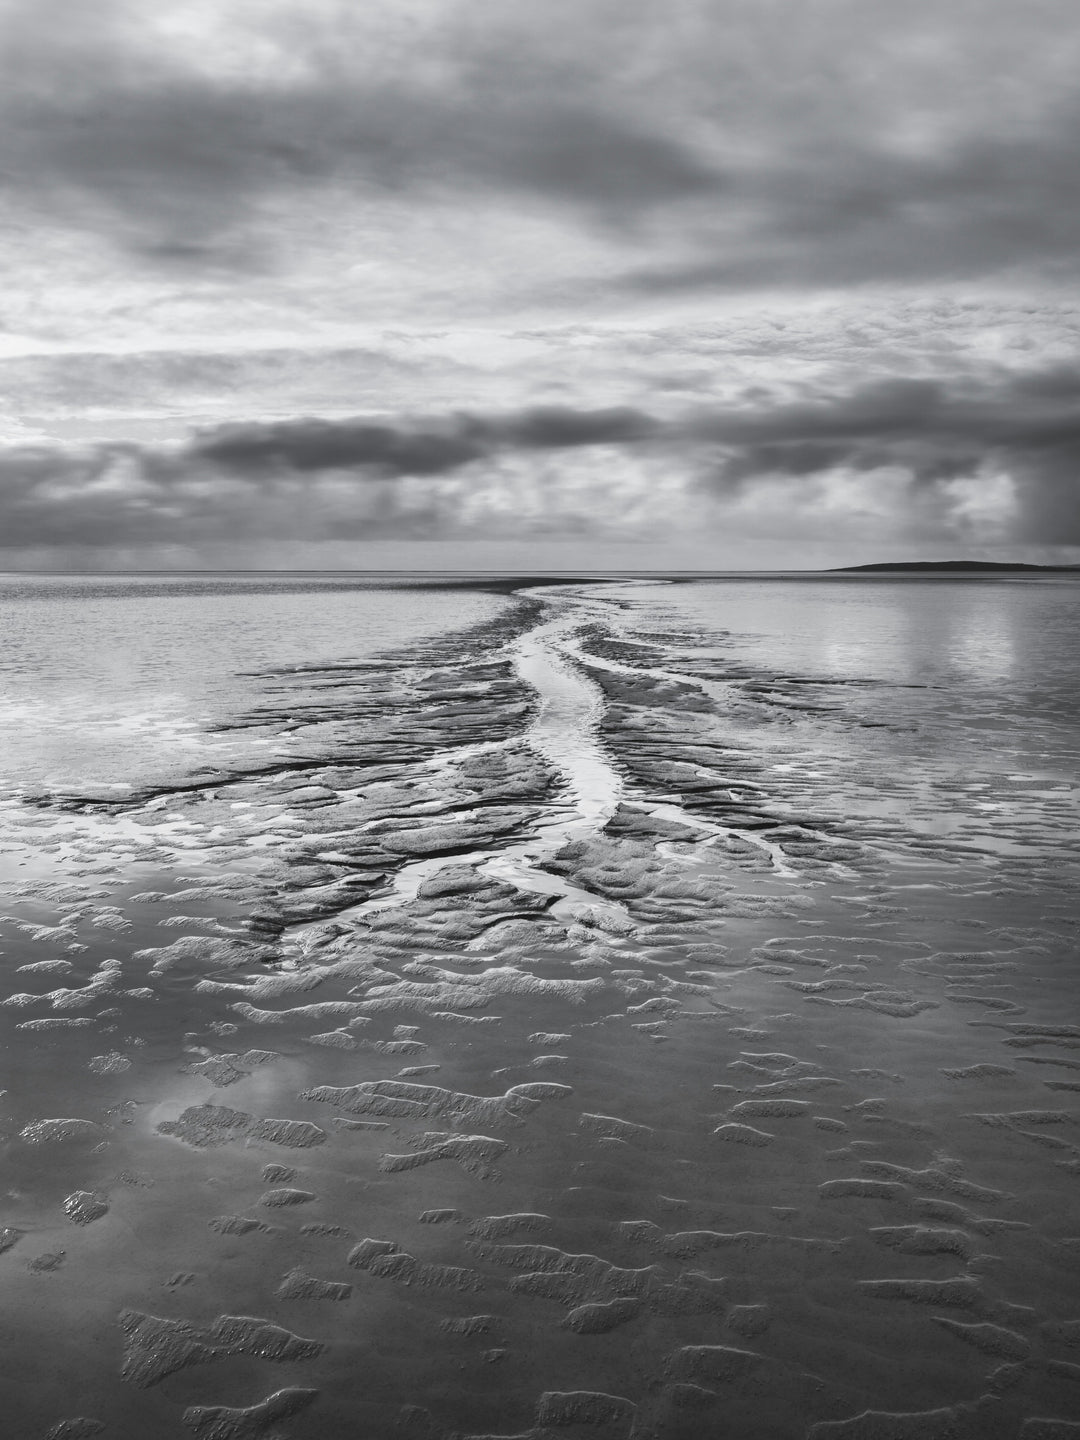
{"x": 582, "y": 1030}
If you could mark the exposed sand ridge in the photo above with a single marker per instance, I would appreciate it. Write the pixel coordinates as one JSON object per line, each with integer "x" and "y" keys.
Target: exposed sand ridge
{"x": 564, "y": 734}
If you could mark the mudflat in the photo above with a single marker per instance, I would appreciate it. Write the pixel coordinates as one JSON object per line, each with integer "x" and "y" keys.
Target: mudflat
{"x": 567, "y": 1026}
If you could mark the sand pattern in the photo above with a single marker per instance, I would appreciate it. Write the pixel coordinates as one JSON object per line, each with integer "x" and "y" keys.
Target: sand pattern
{"x": 549, "y": 1049}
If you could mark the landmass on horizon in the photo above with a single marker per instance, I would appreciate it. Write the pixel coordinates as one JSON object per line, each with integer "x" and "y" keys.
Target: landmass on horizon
{"x": 938, "y": 565}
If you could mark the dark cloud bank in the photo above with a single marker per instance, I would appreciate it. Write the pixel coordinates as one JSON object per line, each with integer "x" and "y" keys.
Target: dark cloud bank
{"x": 421, "y": 478}
{"x": 769, "y": 145}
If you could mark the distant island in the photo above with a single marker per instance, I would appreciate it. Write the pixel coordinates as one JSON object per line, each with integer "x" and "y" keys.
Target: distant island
{"x": 976, "y": 565}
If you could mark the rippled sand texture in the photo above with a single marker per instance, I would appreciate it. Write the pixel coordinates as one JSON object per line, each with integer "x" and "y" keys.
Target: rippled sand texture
{"x": 541, "y": 1047}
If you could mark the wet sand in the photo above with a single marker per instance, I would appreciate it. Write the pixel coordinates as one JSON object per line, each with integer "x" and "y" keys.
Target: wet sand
{"x": 533, "y": 1044}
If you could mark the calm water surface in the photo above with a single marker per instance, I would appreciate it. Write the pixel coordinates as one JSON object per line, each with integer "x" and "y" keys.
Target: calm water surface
{"x": 105, "y": 680}
{"x": 935, "y": 700}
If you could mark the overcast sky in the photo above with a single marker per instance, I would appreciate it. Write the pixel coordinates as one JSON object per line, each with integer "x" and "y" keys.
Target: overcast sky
{"x": 605, "y": 283}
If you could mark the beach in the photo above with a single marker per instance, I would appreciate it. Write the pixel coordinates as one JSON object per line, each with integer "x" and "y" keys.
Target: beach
{"x": 589, "y": 1008}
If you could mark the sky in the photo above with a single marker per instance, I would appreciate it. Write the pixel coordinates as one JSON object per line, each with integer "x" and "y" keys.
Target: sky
{"x": 485, "y": 284}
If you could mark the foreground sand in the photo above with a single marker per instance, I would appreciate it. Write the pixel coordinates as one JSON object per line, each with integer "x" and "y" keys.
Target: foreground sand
{"x": 536, "y": 1047}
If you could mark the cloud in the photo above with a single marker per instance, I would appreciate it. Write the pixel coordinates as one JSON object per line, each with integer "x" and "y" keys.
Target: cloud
{"x": 853, "y": 212}
{"x": 997, "y": 458}
{"x": 322, "y": 480}
{"x": 304, "y": 445}
{"x": 1027, "y": 425}
{"x": 592, "y": 266}
{"x": 188, "y": 168}
{"x": 727, "y": 145}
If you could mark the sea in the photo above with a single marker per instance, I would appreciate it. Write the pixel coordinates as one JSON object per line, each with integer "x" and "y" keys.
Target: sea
{"x": 549, "y": 1006}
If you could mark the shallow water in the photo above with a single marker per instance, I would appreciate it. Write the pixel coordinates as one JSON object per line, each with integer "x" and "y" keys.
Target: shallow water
{"x": 604, "y": 1010}
{"x": 105, "y": 679}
